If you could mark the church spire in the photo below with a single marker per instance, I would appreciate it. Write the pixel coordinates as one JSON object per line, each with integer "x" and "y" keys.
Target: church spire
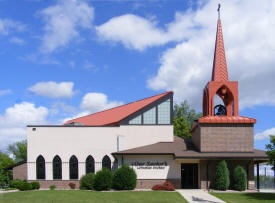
{"x": 219, "y": 72}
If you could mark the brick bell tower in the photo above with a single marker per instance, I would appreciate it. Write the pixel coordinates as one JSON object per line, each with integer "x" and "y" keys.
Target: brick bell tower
{"x": 222, "y": 129}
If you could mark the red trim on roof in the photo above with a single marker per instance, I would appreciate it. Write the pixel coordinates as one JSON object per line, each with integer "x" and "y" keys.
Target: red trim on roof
{"x": 226, "y": 119}
{"x": 114, "y": 115}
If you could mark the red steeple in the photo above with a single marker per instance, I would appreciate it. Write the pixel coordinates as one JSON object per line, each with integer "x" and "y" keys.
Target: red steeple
{"x": 219, "y": 72}
{"x": 228, "y": 112}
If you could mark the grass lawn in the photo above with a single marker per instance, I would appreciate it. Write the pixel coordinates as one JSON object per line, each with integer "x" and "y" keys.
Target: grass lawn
{"x": 246, "y": 197}
{"x": 67, "y": 196}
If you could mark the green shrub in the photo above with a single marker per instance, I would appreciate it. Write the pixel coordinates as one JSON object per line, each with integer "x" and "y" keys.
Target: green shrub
{"x": 239, "y": 178}
{"x": 52, "y": 187}
{"x": 35, "y": 185}
{"x": 87, "y": 181}
{"x": 15, "y": 183}
{"x": 222, "y": 180}
{"x": 25, "y": 186}
{"x": 125, "y": 178}
{"x": 103, "y": 180}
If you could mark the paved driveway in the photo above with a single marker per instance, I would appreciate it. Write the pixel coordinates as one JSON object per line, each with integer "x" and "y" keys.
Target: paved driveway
{"x": 197, "y": 195}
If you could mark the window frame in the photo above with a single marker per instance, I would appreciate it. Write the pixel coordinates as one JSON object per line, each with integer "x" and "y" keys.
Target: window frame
{"x": 43, "y": 168}
{"x": 58, "y": 161}
{"x": 72, "y": 167}
{"x": 92, "y": 162}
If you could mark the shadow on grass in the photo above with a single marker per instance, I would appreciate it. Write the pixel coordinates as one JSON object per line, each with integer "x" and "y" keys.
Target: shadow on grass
{"x": 260, "y": 196}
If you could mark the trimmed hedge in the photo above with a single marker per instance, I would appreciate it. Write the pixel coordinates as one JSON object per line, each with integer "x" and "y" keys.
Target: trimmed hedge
{"x": 25, "y": 186}
{"x": 103, "y": 180}
{"x": 125, "y": 178}
{"x": 87, "y": 181}
{"x": 222, "y": 180}
{"x": 35, "y": 185}
{"x": 15, "y": 183}
{"x": 239, "y": 178}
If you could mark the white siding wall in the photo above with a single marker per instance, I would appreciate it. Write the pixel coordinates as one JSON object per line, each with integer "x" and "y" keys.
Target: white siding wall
{"x": 84, "y": 141}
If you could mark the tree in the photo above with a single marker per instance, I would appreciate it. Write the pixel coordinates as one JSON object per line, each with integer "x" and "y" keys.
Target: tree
{"x": 184, "y": 118}
{"x": 240, "y": 178}
{"x": 222, "y": 180}
{"x": 270, "y": 151}
{"x": 5, "y": 176}
{"x": 18, "y": 150}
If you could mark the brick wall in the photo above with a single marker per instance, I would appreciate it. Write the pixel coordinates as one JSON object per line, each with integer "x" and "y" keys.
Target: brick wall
{"x": 224, "y": 137}
{"x": 20, "y": 172}
{"x": 59, "y": 184}
{"x": 149, "y": 183}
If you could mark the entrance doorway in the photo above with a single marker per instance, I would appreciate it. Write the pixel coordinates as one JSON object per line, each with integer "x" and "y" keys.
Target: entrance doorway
{"x": 189, "y": 176}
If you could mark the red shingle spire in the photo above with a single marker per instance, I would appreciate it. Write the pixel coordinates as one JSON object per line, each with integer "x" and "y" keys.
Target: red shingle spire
{"x": 219, "y": 72}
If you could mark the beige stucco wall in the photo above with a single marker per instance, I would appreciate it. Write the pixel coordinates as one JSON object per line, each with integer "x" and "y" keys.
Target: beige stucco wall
{"x": 84, "y": 141}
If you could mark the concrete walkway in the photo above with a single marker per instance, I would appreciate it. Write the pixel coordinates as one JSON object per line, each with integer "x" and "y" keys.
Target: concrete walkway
{"x": 197, "y": 195}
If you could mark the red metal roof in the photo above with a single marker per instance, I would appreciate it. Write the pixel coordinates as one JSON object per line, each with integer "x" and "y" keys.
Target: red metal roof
{"x": 219, "y": 72}
{"x": 226, "y": 119}
{"x": 116, "y": 114}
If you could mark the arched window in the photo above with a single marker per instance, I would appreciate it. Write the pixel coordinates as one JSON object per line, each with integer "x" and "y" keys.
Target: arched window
{"x": 73, "y": 167}
{"x": 57, "y": 168}
{"x": 90, "y": 165}
{"x": 106, "y": 162}
{"x": 40, "y": 167}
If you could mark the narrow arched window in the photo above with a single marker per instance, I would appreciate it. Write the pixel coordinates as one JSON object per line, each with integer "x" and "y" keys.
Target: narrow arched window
{"x": 73, "y": 167}
{"x": 90, "y": 164}
{"x": 106, "y": 162}
{"x": 40, "y": 167}
{"x": 57, "y": 168}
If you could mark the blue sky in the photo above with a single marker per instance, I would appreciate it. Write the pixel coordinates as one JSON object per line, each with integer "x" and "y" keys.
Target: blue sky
{"x": 61, "y": 59}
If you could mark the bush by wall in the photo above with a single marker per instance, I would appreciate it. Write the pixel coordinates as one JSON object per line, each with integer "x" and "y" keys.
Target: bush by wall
{"x": 52, "y": 187}
{"x": 87, "y": 181}
{"x": 15, "y": 183}
{"x": 239, "y": 178}
{"x": 222, "y": 180}
{"x": 103, "y": 180}
{"x": 72, "y": 186}
{"x": 168, "y": 186}
{"x": 24, "y": 186}
{"x": 35, "y": 185}
{"x": 125, "y": 178}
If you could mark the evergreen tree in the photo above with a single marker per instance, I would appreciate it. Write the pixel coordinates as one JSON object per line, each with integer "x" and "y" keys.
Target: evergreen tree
{"x": 240, "y": 178}
{"x": 222, "y": 180}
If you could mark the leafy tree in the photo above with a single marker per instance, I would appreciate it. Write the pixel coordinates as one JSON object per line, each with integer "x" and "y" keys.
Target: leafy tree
{"x": 184, "y": 117}
{"x": 181, "y": 128}
{"x": 222, "y": 180}
{"x": 5, "y": 176}
{"x": 271, "y": 150}
{"x": 18, "y": 150}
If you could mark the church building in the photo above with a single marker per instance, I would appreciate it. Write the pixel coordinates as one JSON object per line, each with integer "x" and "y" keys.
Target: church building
{"x": 141, "y": 134}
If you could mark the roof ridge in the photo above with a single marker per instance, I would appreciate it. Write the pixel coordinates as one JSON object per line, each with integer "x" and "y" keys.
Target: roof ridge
{"x": 164, "y": 93}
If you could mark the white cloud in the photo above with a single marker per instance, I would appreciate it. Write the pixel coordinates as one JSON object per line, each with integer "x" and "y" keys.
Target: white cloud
{"x": 250, "y": 50}
{"x": 140, "y": 33}
{"x": 5, "y": 92}
{"x": 186, "y": 68}
{"x": 265, "y": 134}
{"x": 13, "y": 122}
{"x": 16, "y": 40}
{"x": 52, "y": 89}
{"x": 93, "y": 102}
{"x": 8, "y": 25}
{"x": 62, "y": 23}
